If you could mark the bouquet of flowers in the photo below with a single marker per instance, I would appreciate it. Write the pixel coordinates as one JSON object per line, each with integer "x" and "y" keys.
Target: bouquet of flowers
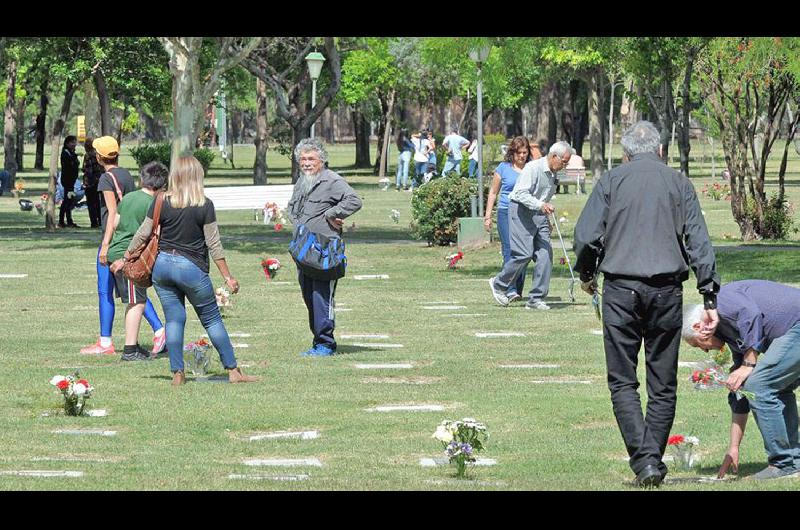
{"x": 273, "y": 211}
{"x": 683, "y": 448}
{"x": 19, "y": 188}
{"x": 196, "y": 356}
{"x": 452, "y": 259}
{"x": 384, "y": 183}
{"x": 712, "y": 374}
{"x": 223, "y": 298}
{"x": 461, "y": 440}
{"x": 395, "y": 216}
{"x": 271, "y": 267}
{"x": 42, "y": 204}
{"x": 75, "y": 391}
{"x": 717, "y": 191}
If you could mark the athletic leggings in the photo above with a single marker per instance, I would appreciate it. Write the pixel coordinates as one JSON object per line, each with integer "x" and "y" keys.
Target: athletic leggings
{"x": 105, "y": 295}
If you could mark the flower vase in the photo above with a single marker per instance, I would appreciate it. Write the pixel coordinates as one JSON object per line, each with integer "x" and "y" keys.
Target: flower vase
{"x": 73, "y": 405}
{"x": 198, "y": 361}
{"x": 461, "y": 467}
{"x": 684, "y": 458}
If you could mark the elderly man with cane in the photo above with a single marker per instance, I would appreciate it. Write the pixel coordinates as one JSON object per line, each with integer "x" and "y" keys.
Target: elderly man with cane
{"x": 529, "y": 229}
{"x": 643, "y": 222}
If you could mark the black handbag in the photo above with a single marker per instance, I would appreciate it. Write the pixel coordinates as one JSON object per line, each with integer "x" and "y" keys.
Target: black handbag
{"x": 318, "y": 256}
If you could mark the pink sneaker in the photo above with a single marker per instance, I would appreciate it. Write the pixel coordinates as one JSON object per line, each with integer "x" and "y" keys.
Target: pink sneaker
{"x": 159, "y": 342}
{"x": 96, "y": 349}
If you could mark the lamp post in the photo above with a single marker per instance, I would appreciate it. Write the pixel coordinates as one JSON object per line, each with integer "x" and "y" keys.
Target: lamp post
{"x": 479, "y": 56}
{"x": 314, "y": 60}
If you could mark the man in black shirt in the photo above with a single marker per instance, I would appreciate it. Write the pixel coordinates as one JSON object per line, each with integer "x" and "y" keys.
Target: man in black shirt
{"x": 643, "y": 223}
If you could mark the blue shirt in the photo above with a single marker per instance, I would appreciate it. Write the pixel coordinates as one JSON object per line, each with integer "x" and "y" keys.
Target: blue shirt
{"x": 508, "y": 178}
{"x": 753, "y": 313}
{"x": 454, "y": 142}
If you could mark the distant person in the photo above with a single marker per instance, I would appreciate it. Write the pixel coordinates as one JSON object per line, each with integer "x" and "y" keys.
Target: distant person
{"x": 432, "y": 160}
{"x": 453, "y": 143}
{"x": 321, "y": 200}
{"x": 505, "y": 177}
{"x": 69, "y": 176}
{"x": 5, "y": 181}
{"x": 421, "y": 148}
{"x": 405, "y": 148}
{"x": 529, "y": 227}
{"x": 189, "y": 234}
{"x": 132, "y": 212}
{"x": 473, "y": 158}
{"x": 538, "y": 148}
{"x": 114, "y": 184}
{"x": 92, "y": 170}
{"x": 575, "y": 162}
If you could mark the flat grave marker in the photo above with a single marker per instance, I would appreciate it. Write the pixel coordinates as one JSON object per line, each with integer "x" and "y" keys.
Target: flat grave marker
{"x": 363, "y": 336}
{"x": 376, "y": 345}
{"x": 97, "y": 413}
{"x": 42, "y": 473}
{"x": 442, "y": 461}
{"x": 238, "y": 476}
{"x": 528, "y": 366}
{"x": 9, "y": 276}
{"x": 301, "y": 435}
{"x": 458, "y": 315}
{"x": 596, "y": 332}
{"x": 386, "y": 366}
{"x": 443, "y": 307}
{"x": 283, "y": 462}
{"x": 493, "y": 334}
{"x": 85, "y": 432}
{"x": 406, "y": 408}
{"x": 560, "y": 382}
{"x": 371, "y": 277}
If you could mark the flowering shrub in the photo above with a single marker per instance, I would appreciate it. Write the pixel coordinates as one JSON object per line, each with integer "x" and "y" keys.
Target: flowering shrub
{"x": 461, "y": 440}
{"x": 717, "y": 191}
{"x": 75, "y": 391}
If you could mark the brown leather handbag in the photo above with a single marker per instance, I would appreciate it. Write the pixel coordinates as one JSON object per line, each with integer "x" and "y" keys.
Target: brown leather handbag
{"x": 138, "y": 268}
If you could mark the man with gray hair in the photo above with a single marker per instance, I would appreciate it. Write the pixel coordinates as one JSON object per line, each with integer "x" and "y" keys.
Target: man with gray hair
{"x": 529, "y": 229}
{"x": 643, "y": 223}
{"x": 760, "y": 321}
{"x": 321, "y": 200}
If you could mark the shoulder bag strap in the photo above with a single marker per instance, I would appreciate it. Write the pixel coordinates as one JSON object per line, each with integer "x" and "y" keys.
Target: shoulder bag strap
{"x": 157, "y": 213}
{"x": 116, "y": 185}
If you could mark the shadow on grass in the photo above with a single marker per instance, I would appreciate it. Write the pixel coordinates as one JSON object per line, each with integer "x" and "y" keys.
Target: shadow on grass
{"x": 349, "y": 348}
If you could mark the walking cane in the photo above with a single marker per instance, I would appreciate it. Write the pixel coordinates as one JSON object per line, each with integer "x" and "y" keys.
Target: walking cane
{"x": 569, "y": 264}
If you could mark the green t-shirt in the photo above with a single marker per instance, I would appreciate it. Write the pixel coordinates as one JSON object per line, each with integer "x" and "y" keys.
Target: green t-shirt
{"x": 132, "y": 211}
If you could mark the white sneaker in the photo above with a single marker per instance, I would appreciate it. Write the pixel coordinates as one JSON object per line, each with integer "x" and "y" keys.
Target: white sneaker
{"x": 514, "y": 297}
{"x": 538, "y": 304}
{"x": 500, "y": 296}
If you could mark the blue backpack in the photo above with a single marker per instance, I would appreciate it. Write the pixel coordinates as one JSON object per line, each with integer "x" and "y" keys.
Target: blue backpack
{"x": 319, "y": 257}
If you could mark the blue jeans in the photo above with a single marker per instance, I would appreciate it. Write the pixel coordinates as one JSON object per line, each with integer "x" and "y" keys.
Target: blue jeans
{"x": 502, "y": 229}
{"x": 451, "y": 164}
{"x": 776, "y": 375}
{"x": 402, "y": 168}
{"x": 175, "y": 279}
{"x": 473, "y": 167}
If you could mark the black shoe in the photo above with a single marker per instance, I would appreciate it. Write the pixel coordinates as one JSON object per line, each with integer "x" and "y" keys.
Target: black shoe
{"x": 138, "y": 355}
{"x": 73, "y": 225}
{"x": 649, "y": 477}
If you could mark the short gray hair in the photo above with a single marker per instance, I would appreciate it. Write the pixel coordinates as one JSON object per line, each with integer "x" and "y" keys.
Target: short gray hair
{"x": 561, "y": 149}
{"x": 692, "y": 314}
{"x": 310, "y": 144}
{"x": 153, "y": 175}
{"x": 641, "y": 137}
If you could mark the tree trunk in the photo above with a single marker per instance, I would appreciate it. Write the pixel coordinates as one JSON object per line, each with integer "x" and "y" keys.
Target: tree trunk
{"x": 55, "y": 152}
{"x": 546, "y": 127}
{"x": 122, "y": 121}
{"x": 596, "y": 123}
{"x": 388, "y": 128}
{"x": 260, "y": 166}
{"x": 298, "y": 133}
{"x": 104, "y": 101}
{"x": 361, "y": 129}
{"x": 41, "y": 131}
{"x": 10, "y": 128}
{"x": 686, "y": 109}
{"x": 21, "y": 132}
{"x": 794, "y": 122}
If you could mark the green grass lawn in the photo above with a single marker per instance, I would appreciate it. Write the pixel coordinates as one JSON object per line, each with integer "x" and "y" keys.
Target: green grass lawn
{"x": 543, "y": 436}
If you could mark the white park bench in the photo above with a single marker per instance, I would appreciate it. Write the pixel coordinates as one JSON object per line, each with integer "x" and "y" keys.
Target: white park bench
{"x": 573, "y": 175}
{"x": 249, "y": 197}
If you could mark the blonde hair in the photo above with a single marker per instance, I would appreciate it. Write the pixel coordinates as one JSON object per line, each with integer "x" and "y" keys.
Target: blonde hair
{"x": 186, "y": 183}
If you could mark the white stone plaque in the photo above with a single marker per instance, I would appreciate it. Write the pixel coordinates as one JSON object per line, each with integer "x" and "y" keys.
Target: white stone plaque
{"x": 89, "y": 432}
{"x": 492, "y": 335}
{"x": 443, "y": 307}
{"x": 43, "y": 473}
{"x": 284, "y": 462}
{"x": 376, "y": 345}
{"x": 13, "y": 275}
{"x": 388, "y": 366}
{"x": 304, "y": 435}
{"x": 363, "y": 336}
{"x": 236, "y": 476}
{"x": 371, "y": 277}
{"x": 407, "y": 408}
{"x": 561, "y": 382}
{"x": 529, "y": 366}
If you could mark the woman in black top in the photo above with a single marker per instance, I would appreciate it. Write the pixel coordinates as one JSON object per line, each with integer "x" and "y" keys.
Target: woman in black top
{"x": 91, "y": 176}
{"x": 69, "y": 175}
{"x": 189, "y": 234}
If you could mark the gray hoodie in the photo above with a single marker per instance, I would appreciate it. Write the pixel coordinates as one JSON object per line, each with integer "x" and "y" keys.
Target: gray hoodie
{"x": 330, "y": 197}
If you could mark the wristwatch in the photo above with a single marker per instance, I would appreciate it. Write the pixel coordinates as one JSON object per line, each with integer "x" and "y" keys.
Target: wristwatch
{"x": 748, "y": 364}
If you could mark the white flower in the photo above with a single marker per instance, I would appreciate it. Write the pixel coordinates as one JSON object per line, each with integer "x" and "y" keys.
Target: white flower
{"x": 693, "y": 440}
{"x": 79, "y": 389}
{"x": 57, "y": 379}
{"x": 443, "y": 434}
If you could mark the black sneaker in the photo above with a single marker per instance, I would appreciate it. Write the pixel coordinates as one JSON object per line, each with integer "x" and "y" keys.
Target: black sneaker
{"x": 139, "y": 355}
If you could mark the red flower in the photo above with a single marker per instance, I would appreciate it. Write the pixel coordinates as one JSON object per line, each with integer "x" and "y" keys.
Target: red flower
{"x": 278, "y": 227}
{"x": 695, "y": 376}
{"x": 84, "y": 382}
{"x": 63, "y": 384}
{"x": 675, "y": 440}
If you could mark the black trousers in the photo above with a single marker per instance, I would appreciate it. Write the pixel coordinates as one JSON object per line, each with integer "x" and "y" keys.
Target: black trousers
{"x": 67, "y": 205}
{"x": 93, "y": 204}
{"x": 636, "y": 311}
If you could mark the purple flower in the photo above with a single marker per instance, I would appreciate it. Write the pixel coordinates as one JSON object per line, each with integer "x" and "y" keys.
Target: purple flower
{"x": 467, "y": 448}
